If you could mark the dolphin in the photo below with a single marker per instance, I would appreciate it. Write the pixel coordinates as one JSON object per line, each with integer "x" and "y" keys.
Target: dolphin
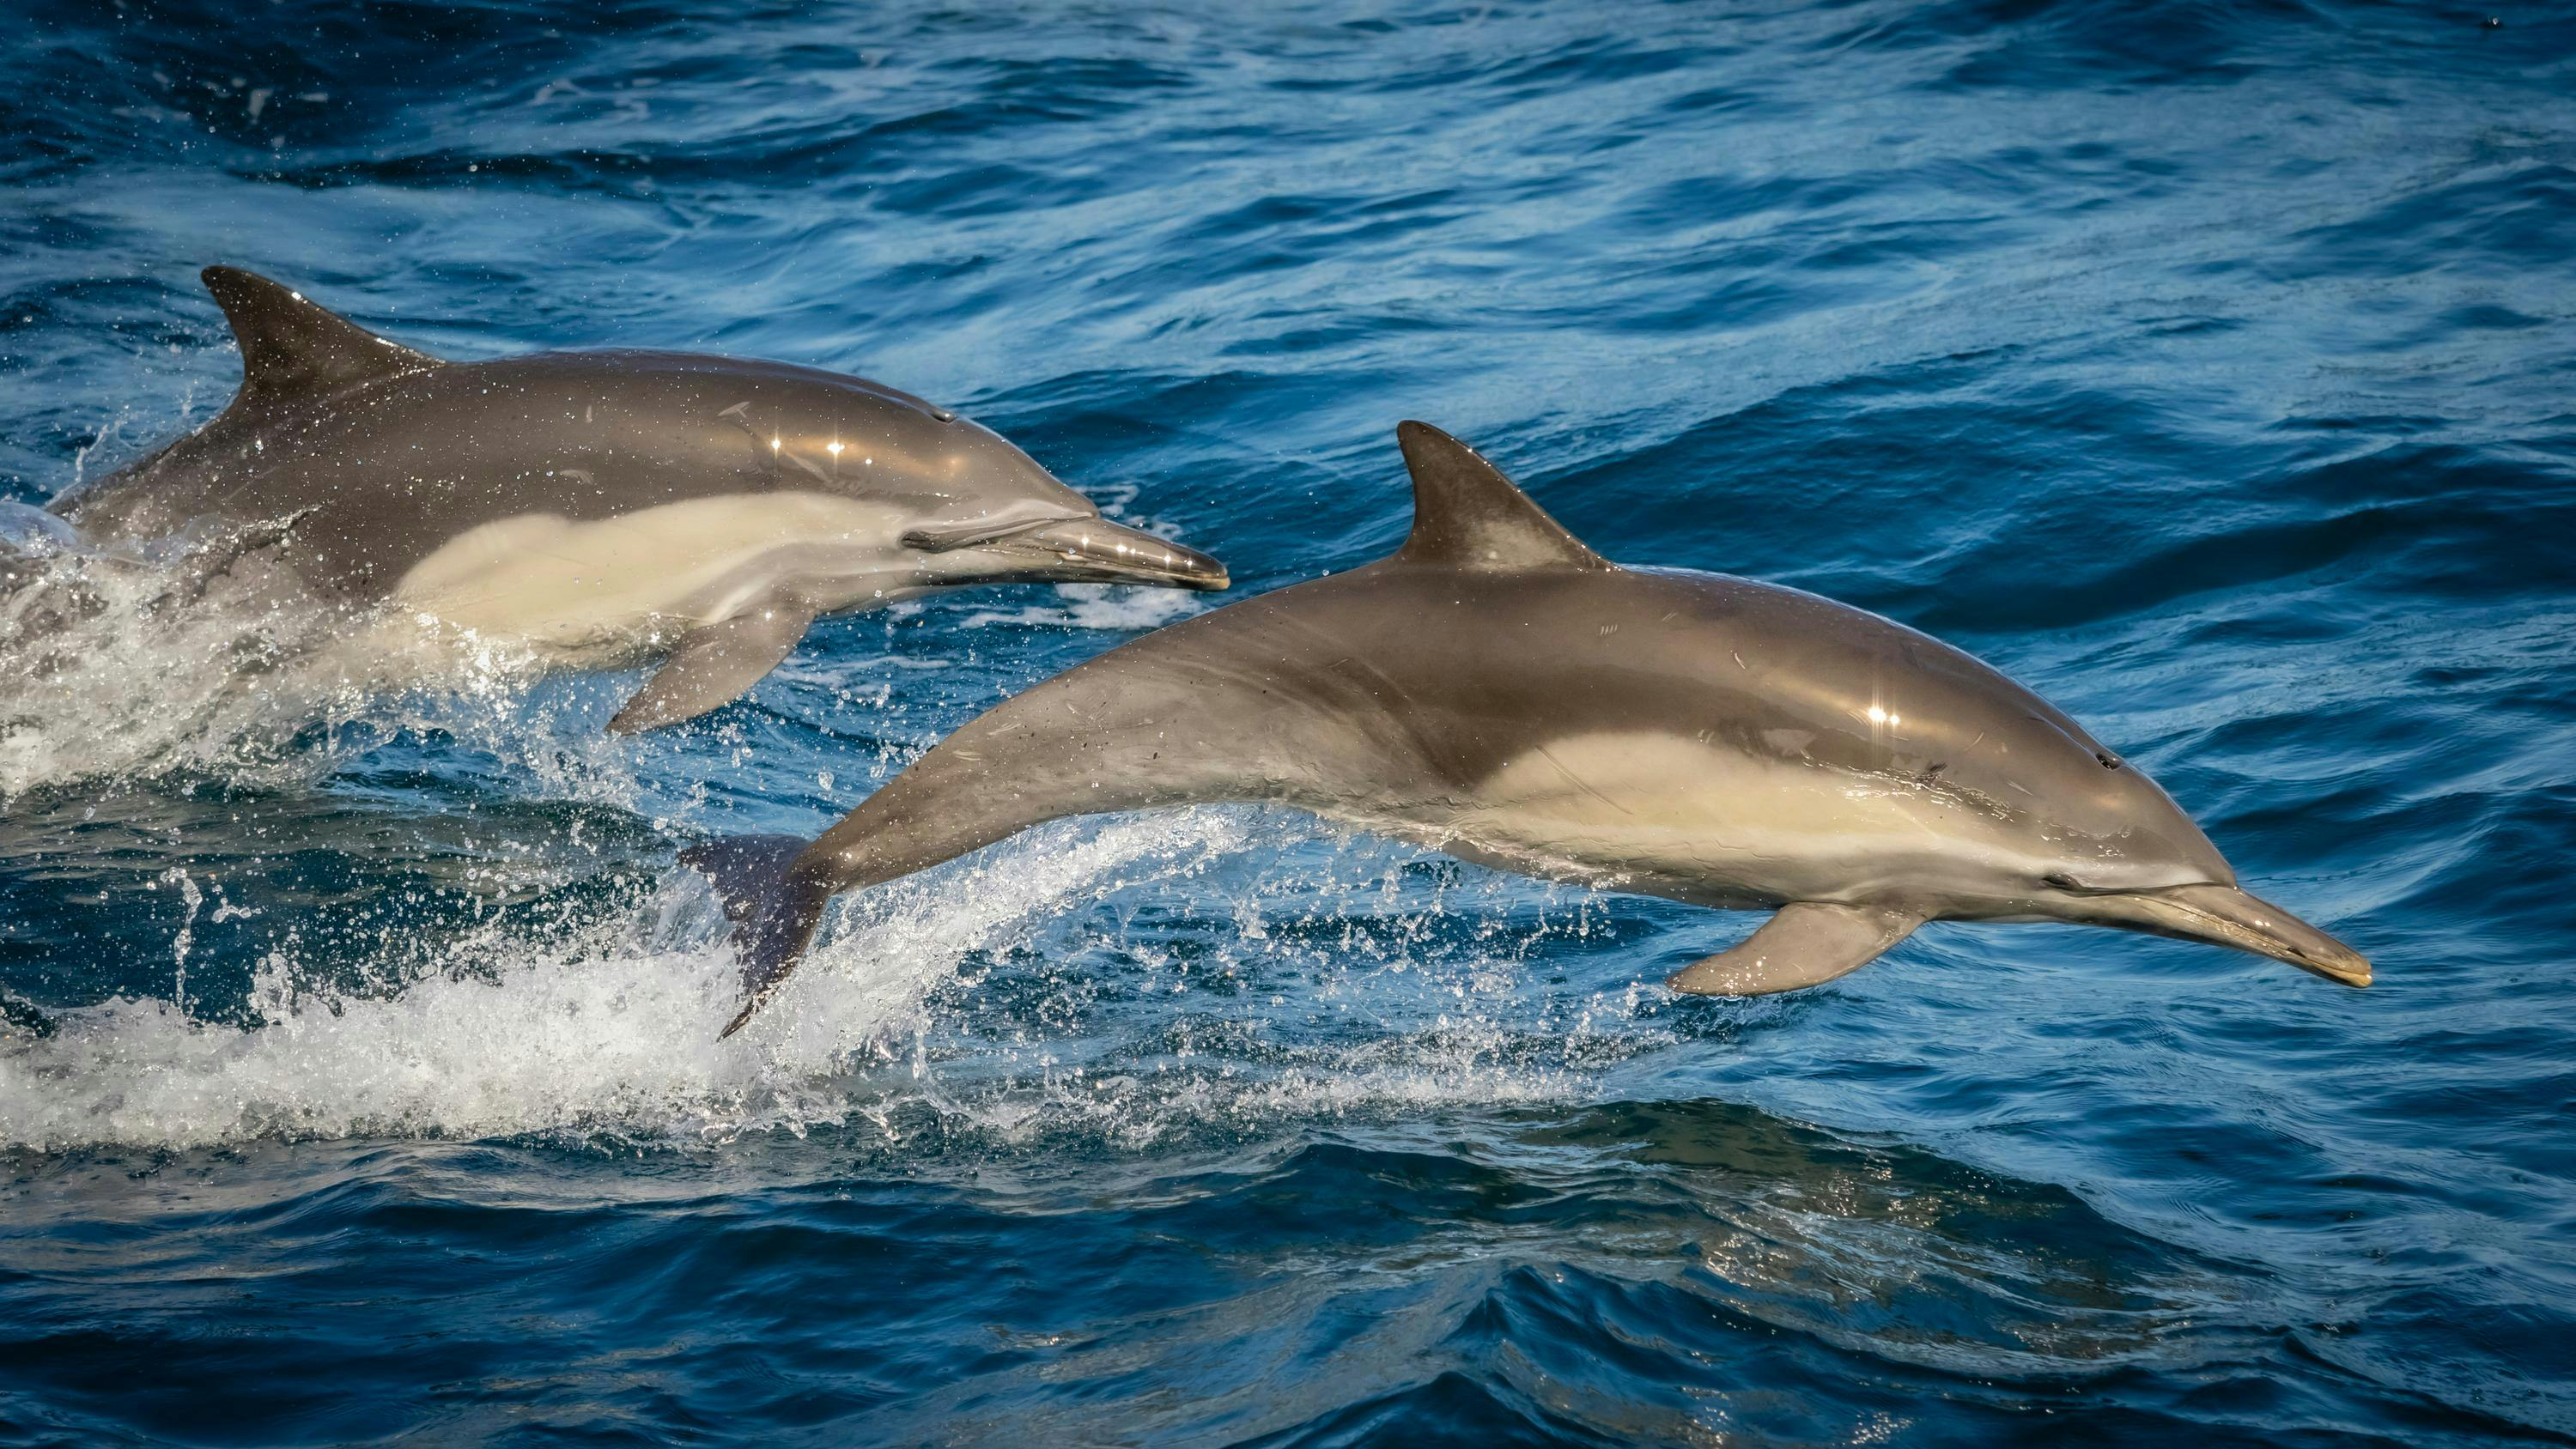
{"x": 602, "y": 509}
{"x": 1498, "y": 691}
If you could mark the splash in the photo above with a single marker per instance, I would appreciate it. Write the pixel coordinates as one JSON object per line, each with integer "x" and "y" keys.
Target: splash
{"x": 610, "y": 1030}
{"x": 109, "y": 670}
{"x": 1115, "y": 608}
{"x": 209, "y": 660}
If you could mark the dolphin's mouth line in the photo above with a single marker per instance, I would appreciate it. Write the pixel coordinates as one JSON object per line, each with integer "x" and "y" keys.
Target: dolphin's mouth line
{"x": 2221, "y": 926}
{"x": 1090, "y": 546}
{"x": 947, "y": 540}
{"x": 1116, "y": 553}
{"x": 2277, "y": 935}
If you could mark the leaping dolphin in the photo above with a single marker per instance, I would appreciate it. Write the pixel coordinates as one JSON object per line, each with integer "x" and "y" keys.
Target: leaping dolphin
{"x": 604, "y": 509}
{"x": 1500, "y": 692}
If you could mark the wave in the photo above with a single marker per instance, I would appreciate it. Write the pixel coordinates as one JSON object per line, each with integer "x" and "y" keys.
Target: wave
{"x": 609, "y": 1029}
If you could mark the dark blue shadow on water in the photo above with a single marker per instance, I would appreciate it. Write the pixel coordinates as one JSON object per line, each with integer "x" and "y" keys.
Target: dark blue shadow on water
{"x": 2206, "y": 366}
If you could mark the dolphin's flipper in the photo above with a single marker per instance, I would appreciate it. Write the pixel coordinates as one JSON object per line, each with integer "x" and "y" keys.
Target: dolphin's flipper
{"x": 713, "y": 666}
{"x": 1806, "y": 943}
{"x": 777, "y": 906}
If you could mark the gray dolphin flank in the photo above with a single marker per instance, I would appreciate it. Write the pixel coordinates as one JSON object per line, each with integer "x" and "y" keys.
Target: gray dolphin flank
{"x": 1500, "y": 692}
{"x": 605, "y": 509}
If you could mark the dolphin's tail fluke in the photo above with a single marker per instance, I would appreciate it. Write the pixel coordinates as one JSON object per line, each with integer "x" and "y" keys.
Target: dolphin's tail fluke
{"x": 776, "y": 907}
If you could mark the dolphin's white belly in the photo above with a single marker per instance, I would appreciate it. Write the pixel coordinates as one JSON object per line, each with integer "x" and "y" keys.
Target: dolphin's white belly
{"x": 1673, "y": 815}
{"x": 605, "y": 592}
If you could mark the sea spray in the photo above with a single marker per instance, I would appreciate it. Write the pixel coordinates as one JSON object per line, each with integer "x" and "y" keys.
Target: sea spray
{"x": 609, "y": 1028}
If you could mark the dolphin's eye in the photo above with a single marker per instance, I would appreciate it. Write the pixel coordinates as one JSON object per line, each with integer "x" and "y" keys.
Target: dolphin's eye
{"x": 2061, "y": 881}
{"x": 2109, "y": 761}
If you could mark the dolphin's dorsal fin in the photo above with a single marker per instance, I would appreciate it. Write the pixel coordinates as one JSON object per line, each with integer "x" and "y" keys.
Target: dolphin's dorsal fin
{"x": 1467, "y": 515}
{"x": 294, "y": 348}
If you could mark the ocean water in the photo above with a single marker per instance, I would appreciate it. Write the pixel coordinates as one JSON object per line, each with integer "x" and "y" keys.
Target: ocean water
{"x": 2209, "y": 367}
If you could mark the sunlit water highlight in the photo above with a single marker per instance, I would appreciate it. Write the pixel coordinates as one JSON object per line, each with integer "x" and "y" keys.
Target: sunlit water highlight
{"x": 2208, "y": 371}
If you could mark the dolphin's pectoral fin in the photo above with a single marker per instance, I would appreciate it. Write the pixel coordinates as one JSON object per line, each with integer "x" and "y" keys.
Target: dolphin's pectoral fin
{"x": 713, "y": 666}
{"x": 1805, "y": 944}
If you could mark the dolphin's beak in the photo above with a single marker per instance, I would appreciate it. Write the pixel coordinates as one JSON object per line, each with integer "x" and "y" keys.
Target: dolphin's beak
{"x": 1096, "y": 550}
{"x": 2225, "y": 916}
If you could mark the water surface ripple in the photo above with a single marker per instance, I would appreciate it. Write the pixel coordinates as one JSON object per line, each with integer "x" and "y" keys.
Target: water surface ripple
{"x": 2207, "y": 366}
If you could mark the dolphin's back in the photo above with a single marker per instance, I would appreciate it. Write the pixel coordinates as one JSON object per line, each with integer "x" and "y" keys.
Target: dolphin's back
{"x": 381, "y": 475}
{"x": 1349, "y": 696}
{"x": 1265, "y": 700}
{"x": 1540, "y": 718}
{"x": 381, "y": 455}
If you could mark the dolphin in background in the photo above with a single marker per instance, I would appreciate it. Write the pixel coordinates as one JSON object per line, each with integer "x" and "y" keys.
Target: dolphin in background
{"x": 600, "y": 509}
{"x": 1498, "y": 691}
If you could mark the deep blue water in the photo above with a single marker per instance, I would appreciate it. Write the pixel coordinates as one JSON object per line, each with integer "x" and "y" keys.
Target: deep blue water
{"x": 2207, "y": 366}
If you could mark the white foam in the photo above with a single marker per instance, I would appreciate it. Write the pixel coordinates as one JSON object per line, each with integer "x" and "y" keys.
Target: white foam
{"x": 1121, "y": 608}
{"x": 613, "y": 1030}
{"x": 111, "y": 671}
{"x": 102, "y": 675}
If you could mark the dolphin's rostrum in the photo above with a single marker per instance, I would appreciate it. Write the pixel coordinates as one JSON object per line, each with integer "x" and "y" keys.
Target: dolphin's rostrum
{"x": 605, "y": 509}
{"x": 1498, "y": 691}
